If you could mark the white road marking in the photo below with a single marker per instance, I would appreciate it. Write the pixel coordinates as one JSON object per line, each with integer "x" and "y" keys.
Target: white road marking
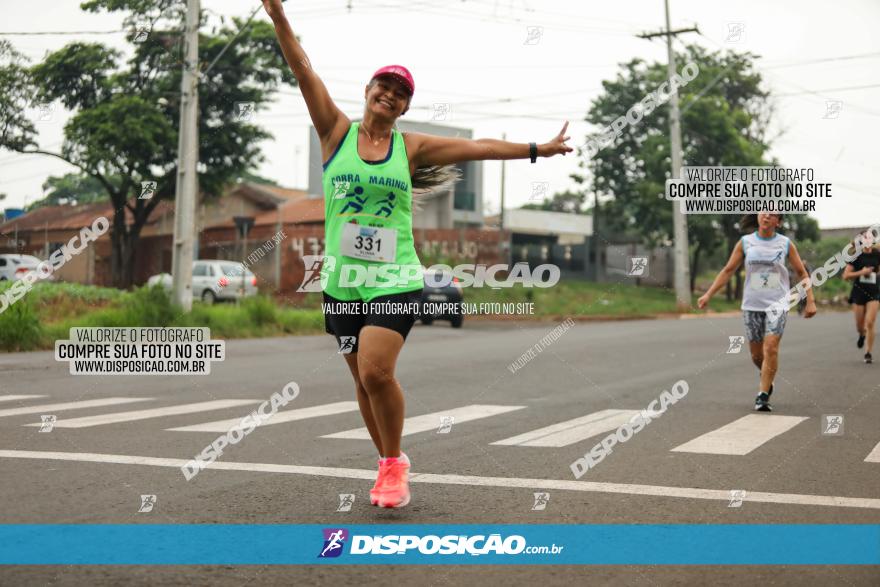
{"x": 572, "y": 431}
{"x": 427, "y": 422}
{"x": 278, "y": 418}
{"x": 9, "y": 398}
{"x": 741, "y": 436}
{"x": 118, "y": 417}
{"x": 874, "y": 455}
{"x": 468, "y": 480}
{"x": 89, "y": 403}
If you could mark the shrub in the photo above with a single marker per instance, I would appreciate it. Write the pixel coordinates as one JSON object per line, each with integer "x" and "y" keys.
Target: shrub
{"x": 20, "y": 328}
{"x": 260, "y": 310}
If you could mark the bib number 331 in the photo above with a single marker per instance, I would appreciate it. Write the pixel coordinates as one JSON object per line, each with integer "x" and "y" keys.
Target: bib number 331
{"x": 369, "y": 243}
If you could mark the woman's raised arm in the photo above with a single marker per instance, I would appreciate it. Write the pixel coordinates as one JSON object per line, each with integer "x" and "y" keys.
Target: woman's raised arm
{"x": 435, "y": 150}
{"x": 326, "y": 116}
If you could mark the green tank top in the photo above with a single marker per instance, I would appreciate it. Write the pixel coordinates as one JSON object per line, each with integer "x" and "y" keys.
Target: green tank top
{"x": 370, "y": 195}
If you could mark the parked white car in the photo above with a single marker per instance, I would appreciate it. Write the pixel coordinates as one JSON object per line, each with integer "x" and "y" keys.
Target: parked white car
{"x": 14, "y": 267}
{"x": 215, "y": 280}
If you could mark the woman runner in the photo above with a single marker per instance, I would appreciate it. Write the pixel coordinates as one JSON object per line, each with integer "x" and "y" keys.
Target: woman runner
{"x": 764, "y": 252}
{"x": 865, "y": 295}
{"x": 370, "y": 171}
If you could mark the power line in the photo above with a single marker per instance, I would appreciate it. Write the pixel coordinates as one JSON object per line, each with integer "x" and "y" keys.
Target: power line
{"x": 568, "y": 15}
{"x": 32, "y": 33}
{"x": 842, "y": 89}
{"x": 454, "y": 12}
{"x": 18, "y": 179}
{"x": 824, "y": 60}
{"x": 804, "y": 90}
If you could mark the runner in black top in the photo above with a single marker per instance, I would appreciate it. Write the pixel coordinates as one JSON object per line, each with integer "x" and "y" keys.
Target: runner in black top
{"x": 865, "y": 295}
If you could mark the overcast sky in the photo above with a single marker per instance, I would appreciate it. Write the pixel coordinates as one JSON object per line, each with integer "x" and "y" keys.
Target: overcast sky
{"x": 480, "y": 58}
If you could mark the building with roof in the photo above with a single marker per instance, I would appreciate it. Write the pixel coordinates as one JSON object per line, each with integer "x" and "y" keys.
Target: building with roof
{"x": 44, "y": 230}
{"x": 291, "y": 220}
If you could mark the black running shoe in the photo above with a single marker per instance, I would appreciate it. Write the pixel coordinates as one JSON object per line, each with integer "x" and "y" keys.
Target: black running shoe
{"x": 762, "y": 402}
{"x": 861, "y": 342}
{"x": 868, "y": 358}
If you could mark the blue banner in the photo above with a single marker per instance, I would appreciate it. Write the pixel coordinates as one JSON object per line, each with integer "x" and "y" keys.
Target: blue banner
{"x": 519, "y": 544}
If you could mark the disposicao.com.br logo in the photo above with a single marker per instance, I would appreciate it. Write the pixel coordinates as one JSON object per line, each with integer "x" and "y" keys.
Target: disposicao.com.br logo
{"x": 319, "y": 269}
{"x": 430, "y": 544}
{"x": 334, "y": 541}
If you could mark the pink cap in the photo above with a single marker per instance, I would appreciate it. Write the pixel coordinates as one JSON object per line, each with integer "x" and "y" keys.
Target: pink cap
{"x": 401, "y": 73}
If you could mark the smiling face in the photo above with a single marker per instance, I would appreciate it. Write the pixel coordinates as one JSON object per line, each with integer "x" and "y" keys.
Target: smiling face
{"x": 386, "y": 97}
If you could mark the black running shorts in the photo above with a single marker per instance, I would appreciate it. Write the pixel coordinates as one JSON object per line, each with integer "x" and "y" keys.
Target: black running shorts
{"x": 344, "y": 319}
{"x": 862, "y": 295}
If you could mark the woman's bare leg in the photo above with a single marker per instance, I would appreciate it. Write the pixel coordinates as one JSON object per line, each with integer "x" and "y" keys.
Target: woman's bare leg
{"x": 771, "y": 361}
{"x": 364, "y": 403}
{"x": 378, "y": 349}
{"x": 870, "y": 320}
{"x": 859, "y": 313}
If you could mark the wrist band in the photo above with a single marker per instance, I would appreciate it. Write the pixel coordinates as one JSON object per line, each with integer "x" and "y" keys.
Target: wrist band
{"x": 533, "y": 152}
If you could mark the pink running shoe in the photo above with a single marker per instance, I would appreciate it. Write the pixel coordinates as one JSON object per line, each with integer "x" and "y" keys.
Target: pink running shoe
{"x": 380, "y": 481}
{"x": 395, "y": 490}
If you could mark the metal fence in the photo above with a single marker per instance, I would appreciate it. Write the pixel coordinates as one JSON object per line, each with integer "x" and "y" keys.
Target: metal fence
{"x": 601, "y": 261}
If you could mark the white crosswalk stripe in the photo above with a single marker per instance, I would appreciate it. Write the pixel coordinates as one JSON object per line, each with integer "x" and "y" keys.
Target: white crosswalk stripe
{"x": 433, "y": 421}
{"x": 60, "y": 407}
{"x": 278, "y": 418}
{"x": 874, "y": 455}
{"x": 741, "y": 436}
{"x": 9, "y": 398}
{"x": 119, "y": 417}
{"x": 571, "y": 431}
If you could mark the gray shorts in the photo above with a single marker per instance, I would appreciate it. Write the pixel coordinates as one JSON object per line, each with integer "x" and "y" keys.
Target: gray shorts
{"x": 758, "y": 325}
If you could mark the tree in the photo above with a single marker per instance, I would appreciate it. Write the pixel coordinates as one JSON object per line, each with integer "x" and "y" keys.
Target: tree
{"x": 123, "y": 130}
{"x": 567, "y": 201}
{"x": 725, "y": 115}
{"x": 70, "y": 189}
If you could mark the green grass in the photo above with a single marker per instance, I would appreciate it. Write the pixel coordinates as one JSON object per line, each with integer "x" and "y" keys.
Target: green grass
{"x": 20, "y": 328}
{"x": 586, "y": 298}
{"x": 49, "y": 310}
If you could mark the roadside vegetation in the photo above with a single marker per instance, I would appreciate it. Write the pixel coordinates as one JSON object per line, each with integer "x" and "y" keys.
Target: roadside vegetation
{"x": 49, "y": 310}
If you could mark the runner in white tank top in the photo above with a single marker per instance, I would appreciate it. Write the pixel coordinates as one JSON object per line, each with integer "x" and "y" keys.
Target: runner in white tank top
{"x": 766, "y": 273}
{"x": 764, "y": 253}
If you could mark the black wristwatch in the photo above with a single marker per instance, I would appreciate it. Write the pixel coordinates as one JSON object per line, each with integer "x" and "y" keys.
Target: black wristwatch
{"x": 533, "y": 152}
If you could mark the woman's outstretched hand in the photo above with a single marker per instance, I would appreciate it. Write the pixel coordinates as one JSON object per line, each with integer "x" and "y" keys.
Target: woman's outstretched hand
{"x": 557, "y": 146}
{"x": 273, "y": 8}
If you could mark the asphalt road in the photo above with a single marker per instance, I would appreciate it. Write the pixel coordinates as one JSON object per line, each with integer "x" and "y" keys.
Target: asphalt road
{"x": 796, "y": 475}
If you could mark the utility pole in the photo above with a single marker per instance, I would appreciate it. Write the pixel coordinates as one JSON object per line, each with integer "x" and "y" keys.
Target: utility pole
{"x": 503, "y": 171}
{"x": 187, "y": 158}
{"x": 598, "y": 248}
{"x": 679, "y": 221}
{"x": 505, "y": 246}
